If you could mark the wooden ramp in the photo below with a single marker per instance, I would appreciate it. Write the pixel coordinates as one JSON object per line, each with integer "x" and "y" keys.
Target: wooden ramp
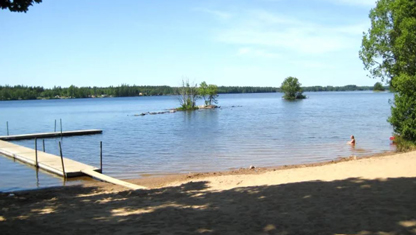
{"x": 51, "y": 134}
{"x": 53, "y": 164}
{"x": 112, "y": 180}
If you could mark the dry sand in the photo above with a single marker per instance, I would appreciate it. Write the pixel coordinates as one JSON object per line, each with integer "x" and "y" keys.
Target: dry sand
{"x": 374, "y": 195}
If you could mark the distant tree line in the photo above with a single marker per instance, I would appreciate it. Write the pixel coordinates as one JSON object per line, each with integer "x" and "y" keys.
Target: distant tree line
{"x": 339, "y": 88}
{"x": 28, "y": 93}
{"x": 37, "y": 92}
{"x": 245, "y": 89}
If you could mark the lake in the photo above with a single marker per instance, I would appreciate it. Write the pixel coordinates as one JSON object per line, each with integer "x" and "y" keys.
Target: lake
{"x": 249, "y": 129}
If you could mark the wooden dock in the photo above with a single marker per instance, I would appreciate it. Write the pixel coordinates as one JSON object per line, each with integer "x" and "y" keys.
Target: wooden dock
{"x": 53, "y": 164}
{"x": 51, "y": 134}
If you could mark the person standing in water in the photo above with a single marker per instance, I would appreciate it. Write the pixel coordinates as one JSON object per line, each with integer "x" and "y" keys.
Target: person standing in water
{"x": 352, "y": 141}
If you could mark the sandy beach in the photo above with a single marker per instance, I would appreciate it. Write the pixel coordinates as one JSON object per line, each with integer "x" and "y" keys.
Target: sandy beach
{"x": 374, "y": 195}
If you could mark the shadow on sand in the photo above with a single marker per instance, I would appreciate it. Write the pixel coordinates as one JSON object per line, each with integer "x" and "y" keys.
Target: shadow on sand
{"x": 351, "y": 206}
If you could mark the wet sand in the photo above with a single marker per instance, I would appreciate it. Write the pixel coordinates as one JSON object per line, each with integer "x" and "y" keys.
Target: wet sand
{"x": 374, "y": 195}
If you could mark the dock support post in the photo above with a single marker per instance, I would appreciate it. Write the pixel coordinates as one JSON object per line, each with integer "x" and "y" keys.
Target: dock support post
{"x": 36, "y": 152}
{"x": 55, "y": 126}
{"x": 7, "y": 124}
{"x": 43, "y": 142}
{"x": 62, "y": 160}
{"x": 61, "y": 125}
{"x": 101, "y": 157}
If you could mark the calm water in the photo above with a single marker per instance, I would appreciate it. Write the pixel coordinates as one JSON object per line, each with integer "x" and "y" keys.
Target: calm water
{"x": 248, "y": 129}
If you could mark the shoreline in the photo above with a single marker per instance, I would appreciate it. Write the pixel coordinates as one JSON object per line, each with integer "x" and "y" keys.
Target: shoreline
{"x": 158, "y": 181}
{"x": 367, "y": 195}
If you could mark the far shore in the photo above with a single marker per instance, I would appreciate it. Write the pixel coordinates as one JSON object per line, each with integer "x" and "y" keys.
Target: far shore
{"x": 369, "y": 195}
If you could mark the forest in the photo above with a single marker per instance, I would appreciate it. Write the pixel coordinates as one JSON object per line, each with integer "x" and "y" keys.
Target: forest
{"x": 21, "y": 92}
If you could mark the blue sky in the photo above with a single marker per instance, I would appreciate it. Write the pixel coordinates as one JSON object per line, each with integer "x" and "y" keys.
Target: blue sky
{"x": 223, "y": 42}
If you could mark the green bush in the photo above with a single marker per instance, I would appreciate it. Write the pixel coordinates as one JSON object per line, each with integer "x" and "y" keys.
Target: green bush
{"x": 403, "y": 111}
{"x": 403, "y": 145}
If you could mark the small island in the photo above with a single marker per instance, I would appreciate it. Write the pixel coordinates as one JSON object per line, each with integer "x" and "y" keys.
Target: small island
{"x": 292, "y": 89}
{"x": 189, "y": 93}
{"x": 378, "y": 87}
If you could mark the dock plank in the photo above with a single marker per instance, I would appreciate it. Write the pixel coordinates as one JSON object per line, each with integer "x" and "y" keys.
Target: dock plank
{"x": 112, "y": 180}
{"x": 52, "y": 163}
{"x": 46, "y": 161}
{"x": 51, "y": 134}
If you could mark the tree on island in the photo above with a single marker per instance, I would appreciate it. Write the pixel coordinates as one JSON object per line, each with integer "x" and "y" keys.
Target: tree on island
{"x": 209, "y": 93}
{"x": 188, "y": 94}
{"x": 378, "y": 87}
{"x": 388, "y": 52}
{"x": 291, "y": 88}
{"x": 17, "y": 5}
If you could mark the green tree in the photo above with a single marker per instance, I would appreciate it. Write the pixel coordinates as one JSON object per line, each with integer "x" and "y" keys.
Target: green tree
{"x": 378, "y": 87}
{"x": 389, "y": 47}
{"x": 203, "y": 91}
{"x": 388, "y": 52}
{"x": 212, "y": 94}
{"x": 403, "y": 111}
{"x": 188, "y": 94}
{"x": 17, "y": 5}
{"x": 291, "y": 88}
{"x": 208, "y": 92}
{"x": 71, "y": 91}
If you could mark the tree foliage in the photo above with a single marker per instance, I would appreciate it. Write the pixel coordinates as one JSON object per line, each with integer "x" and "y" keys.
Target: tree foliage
{"x": 388, "y": 51}
{"x": 188, "y": 95}
{"x": 378, "y": 87}
{"x": 209, "y": 93}
{"x": 245, "y": 89}
{"x": 17, "y": 5}
{"x": 292, "y": 89}
{"x": 403, "y": 111}
{"x": 389, "y": 47}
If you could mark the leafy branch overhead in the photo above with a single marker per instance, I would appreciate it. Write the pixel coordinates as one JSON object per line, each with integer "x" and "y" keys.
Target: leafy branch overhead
{"x": 17, "y": 5}
{"x": 389, "y": 47}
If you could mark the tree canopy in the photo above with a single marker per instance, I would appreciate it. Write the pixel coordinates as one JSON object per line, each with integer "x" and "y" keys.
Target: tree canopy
{"x": 388, "y": 52}
{"x": 378, "y": 87}
{"x": 209, "y": 93}
{"x": 389, "y": 47}
{"x": 188, "y": 95}
{"x": 291, "y": 88}
{"x": 17, "y": 5}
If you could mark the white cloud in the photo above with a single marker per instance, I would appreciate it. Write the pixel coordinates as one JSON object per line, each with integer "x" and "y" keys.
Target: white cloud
{"x": 246, "y": 51}
{"x": 312, "y": 64}
{"x": 356, "y": 29}
{"x": 364, "y": 3}
{"x": 264, "y": 29}
{"x": 217, "y": 14}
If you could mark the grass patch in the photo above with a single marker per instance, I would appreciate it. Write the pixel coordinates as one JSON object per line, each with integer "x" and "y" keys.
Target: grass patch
{"x": 186, "y": 108}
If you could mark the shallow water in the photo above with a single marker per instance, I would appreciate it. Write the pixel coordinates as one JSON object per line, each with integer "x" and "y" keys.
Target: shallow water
{"x": 248, "y": 129}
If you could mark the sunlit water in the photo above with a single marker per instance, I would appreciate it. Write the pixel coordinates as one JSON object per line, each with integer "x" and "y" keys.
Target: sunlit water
{"x": 249, "y": 129}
